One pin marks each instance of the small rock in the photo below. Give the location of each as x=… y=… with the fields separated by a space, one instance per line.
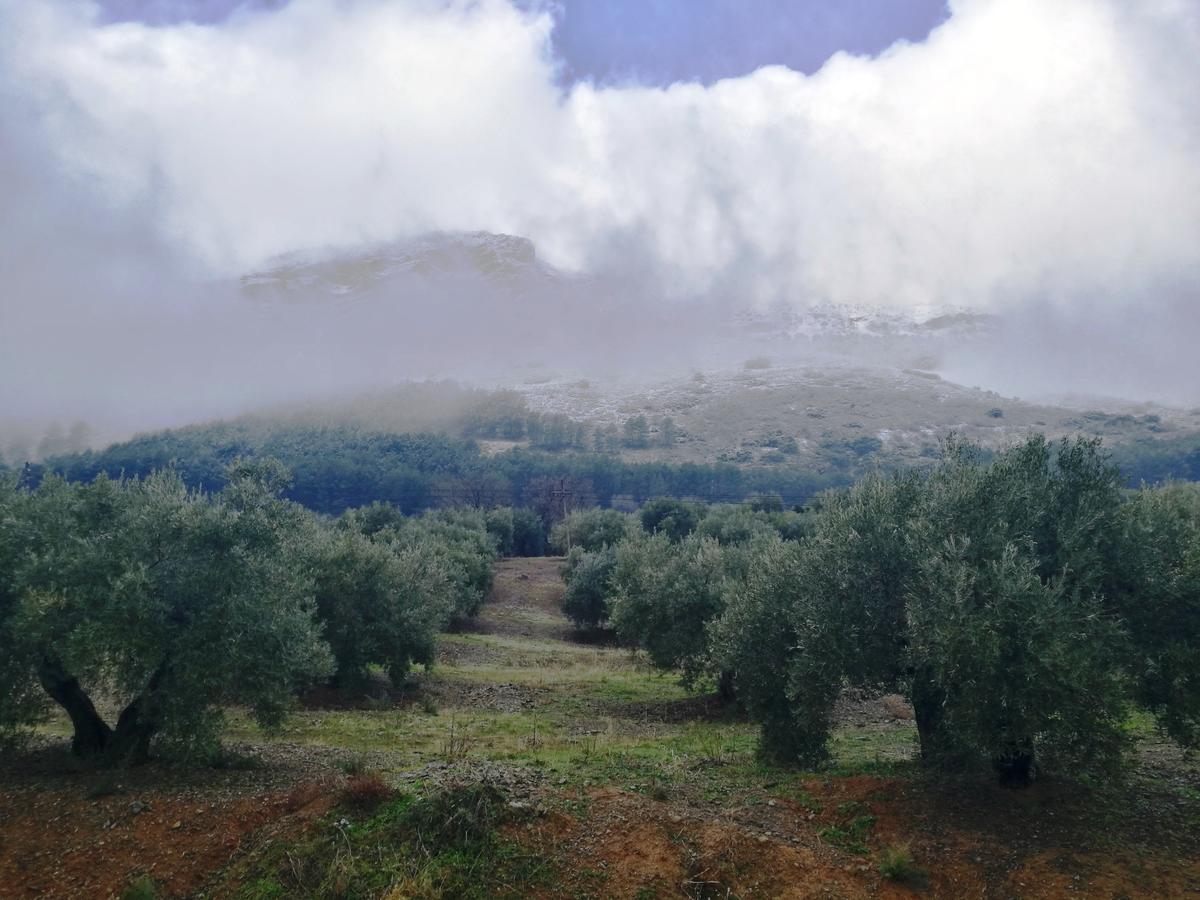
x=177 y=826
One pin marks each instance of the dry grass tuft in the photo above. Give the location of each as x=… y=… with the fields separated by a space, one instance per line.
x=366 y=790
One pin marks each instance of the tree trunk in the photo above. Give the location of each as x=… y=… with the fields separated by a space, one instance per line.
x=927 y=711
x=725 y=686
x=129 y=742
x=137 y=725
x=91 y=734
x=1016 y=767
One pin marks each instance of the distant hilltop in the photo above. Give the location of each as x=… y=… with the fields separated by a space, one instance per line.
x=497 y=259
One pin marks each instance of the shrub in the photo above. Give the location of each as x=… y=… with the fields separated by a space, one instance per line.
x=459 y=815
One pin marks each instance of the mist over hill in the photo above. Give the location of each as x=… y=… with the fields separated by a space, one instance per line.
x=337 y=330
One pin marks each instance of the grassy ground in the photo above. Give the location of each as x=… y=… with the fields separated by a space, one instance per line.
x=569 y=769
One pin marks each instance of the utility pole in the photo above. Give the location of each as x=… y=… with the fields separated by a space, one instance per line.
x=562 y=493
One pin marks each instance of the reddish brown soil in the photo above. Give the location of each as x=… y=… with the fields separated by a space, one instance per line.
x=68 y=846
x=71 y=832
x=629 y=846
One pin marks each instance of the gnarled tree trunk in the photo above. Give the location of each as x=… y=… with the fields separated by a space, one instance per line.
x=91 y=733
x=129 y=742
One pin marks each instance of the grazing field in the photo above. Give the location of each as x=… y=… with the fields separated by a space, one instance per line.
x=530 y=763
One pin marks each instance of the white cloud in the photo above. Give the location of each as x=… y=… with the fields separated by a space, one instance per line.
x=1028 y=150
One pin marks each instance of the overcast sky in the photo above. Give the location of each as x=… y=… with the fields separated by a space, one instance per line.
x=996 y=154
x=1021 y=147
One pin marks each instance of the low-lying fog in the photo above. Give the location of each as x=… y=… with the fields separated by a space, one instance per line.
x=1013 y=202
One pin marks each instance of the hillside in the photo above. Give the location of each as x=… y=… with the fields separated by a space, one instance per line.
x=829 y=414
x=574 y=770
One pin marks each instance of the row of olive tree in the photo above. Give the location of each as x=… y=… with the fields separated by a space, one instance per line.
x=171 y=604
x=658 y=577
x=1014 y=603
x=1024 y=605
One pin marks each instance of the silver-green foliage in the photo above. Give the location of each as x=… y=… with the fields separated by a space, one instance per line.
x=1158 y=597
x=1017 y=602
x=170 y=602
x=588 y=575
x=665 y=594
x=378 y=604
x=589 y=529
x=465 y=551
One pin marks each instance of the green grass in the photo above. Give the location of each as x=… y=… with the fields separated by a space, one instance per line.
x=447 y=843
x=896 y=864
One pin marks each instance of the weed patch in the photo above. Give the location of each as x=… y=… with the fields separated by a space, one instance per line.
x=896 y=864
x=445 y=844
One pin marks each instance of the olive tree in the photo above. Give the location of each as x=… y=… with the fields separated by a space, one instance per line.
x=461 y=543
x=666 y=595
x=1157 y=595
x=674 y=518
x=378 y=604
x=589 y=586
x=589 y=529
x=170 y=602
x=812 y=613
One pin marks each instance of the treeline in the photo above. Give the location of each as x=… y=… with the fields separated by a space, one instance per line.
x=1024 y=603
x=339 y=468
x=1154 y=461
x=174 y=603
